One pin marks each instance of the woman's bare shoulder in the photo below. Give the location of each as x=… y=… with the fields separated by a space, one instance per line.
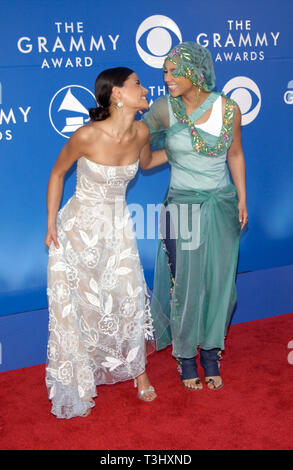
x=86 y=132
x=226 y=99
x=85 y=135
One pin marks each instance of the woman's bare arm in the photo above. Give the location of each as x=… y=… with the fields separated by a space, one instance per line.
x=75 y=147
x=150 y=159
x=236 y=164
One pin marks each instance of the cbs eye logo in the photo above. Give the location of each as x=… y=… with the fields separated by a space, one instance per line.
x=247 y=95
x=157 y=33
x=288 y=96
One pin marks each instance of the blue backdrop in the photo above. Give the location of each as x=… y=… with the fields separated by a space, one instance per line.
x=50 y=55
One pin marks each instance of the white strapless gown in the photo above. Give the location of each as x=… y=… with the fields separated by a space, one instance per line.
x=98 y=301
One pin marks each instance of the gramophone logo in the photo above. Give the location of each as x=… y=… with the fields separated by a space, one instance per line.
x=69 y=107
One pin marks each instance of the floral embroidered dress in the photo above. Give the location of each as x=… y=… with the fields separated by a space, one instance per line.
x=194 y=284
x=98 y=300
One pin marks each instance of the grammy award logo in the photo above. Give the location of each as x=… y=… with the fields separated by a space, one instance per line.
x=11 y=115
x=68 y=110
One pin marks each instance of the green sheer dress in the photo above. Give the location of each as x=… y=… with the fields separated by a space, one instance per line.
x=192 y=307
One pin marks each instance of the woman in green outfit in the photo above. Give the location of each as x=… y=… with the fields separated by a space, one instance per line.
x=198 y=131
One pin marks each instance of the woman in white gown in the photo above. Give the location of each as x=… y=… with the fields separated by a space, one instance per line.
x=98 y=302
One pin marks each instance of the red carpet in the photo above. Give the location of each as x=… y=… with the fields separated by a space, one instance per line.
x=254 y=410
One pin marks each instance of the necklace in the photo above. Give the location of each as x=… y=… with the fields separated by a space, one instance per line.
x=201 y=147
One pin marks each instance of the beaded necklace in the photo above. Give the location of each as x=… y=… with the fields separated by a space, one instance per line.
x=225 y=137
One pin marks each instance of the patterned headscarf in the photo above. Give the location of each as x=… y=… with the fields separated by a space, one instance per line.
x=195 y=63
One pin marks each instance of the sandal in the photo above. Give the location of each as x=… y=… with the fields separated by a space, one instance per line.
x=89 y=410
x=209 y=360
x=188 y=371
x=141 y=394
x=87 y=413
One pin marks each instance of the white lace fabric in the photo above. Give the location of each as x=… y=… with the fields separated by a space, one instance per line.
x=99 y=307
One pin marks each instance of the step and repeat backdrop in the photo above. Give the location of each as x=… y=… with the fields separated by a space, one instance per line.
x=50 y=54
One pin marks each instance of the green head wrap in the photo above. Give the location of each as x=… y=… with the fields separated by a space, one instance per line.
x=195 y=63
